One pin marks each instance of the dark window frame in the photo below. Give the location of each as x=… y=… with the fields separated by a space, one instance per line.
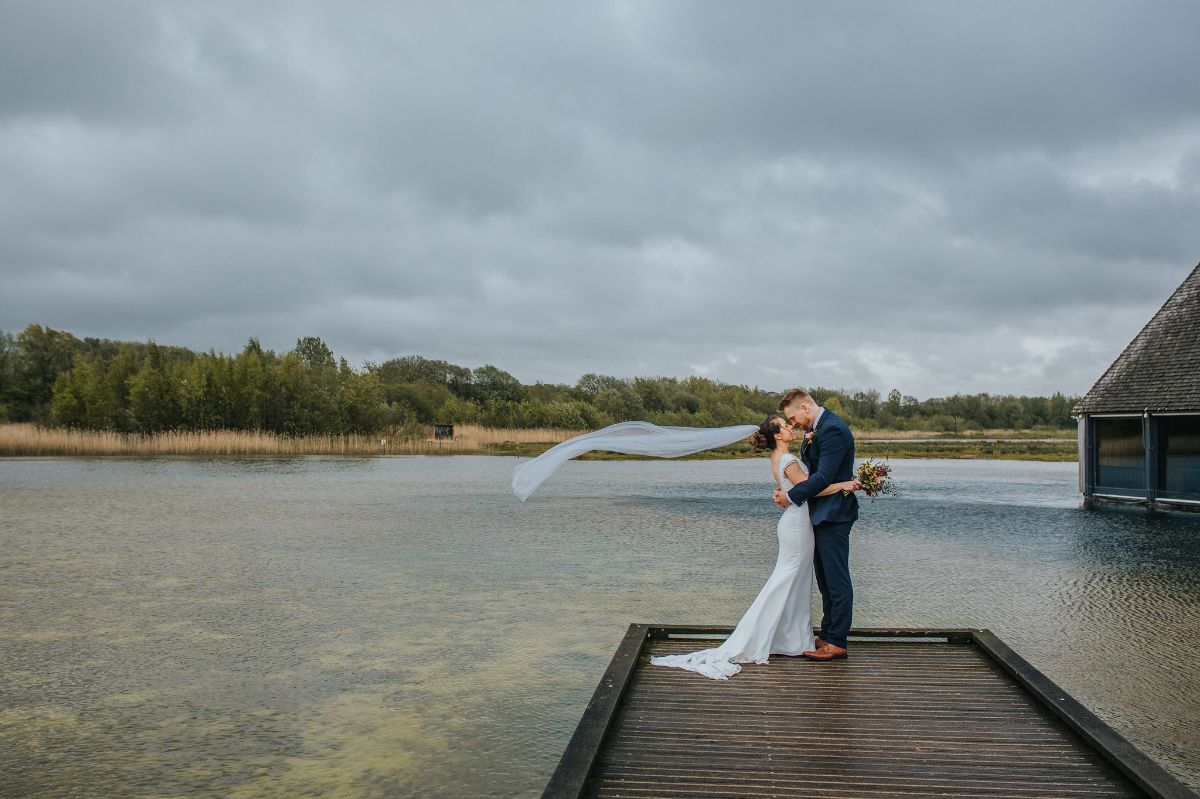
x=1160 y=436
x=1097 y=486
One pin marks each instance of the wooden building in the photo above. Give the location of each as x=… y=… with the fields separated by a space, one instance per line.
x=1139 y=426
x=439 y=432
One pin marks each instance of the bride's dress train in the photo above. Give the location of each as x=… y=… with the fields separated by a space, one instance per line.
x=778 y=621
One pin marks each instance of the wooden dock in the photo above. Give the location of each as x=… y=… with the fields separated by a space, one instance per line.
x=911 y=713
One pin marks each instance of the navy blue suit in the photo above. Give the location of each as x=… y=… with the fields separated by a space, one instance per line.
x=829 y=459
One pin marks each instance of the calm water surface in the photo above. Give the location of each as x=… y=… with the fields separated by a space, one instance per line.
x=404 y=627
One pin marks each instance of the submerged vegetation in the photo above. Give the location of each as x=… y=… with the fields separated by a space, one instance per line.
x=63 y=394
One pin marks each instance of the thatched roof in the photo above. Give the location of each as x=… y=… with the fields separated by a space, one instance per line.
x=1160 y=369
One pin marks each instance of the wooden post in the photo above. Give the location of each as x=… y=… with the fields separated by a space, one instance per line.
x=1082 y=453
x=1150 y=447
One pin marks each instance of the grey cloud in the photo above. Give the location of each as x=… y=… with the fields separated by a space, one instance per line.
x=997 y=196
x=1033 y=202
x=69 y=60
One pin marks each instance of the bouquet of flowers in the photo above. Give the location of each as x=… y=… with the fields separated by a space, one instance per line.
x=875 y=477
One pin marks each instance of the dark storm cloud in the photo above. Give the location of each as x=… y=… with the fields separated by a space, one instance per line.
x=997 y=196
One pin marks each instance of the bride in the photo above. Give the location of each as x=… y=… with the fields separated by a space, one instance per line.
x=778 y=621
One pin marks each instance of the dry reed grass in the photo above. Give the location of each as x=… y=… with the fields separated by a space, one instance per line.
x=28 y=439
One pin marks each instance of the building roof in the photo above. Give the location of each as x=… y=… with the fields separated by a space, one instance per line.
x=1160 y=369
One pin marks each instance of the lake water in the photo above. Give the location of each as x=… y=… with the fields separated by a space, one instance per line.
x=404 y=627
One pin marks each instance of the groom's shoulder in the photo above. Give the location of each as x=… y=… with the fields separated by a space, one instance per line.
x=838 y=421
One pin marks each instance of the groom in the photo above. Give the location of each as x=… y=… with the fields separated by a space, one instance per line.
x=827 y=449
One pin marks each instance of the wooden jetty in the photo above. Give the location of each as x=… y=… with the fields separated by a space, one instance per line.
x=911 y=713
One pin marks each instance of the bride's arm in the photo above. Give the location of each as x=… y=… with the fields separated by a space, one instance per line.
x=794 y=473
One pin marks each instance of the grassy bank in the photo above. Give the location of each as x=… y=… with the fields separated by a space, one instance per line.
x=1015 y=449
x=25 y=439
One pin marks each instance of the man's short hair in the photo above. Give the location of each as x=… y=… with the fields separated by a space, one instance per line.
x=795 y=395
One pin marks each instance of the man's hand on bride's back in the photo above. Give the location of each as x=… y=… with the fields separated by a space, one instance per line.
x=781 y=498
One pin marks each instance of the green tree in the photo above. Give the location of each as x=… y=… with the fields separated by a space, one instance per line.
x=317 y=396
x=314 y=352
x=153 y=404
x=101 y=384
x=684 y=401
x=892 y=406
x=83 y=397
x=592 y=384
x=491 y=384
x=620 y=402
x=206 y=394
x=292 y=411
x=42 y=353
x=459 y=411
x=117 y=376
x=251 y=388
x=499 y=413
x=67 y=406
x=361 y=408
x=652 y=392
x=8 y=372
x=415 y=369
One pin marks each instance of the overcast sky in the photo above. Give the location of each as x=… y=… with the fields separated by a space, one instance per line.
x=938 y=197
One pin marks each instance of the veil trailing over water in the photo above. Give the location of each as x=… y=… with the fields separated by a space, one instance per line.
x=628 y=438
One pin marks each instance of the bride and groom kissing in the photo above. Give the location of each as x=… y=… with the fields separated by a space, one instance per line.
x=816 y=492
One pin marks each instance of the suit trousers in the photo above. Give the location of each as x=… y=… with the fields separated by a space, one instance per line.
x=831 y=565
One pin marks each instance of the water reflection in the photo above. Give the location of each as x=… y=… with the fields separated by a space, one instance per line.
x=403 y=627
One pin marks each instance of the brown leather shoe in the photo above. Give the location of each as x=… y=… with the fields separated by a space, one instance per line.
x=827 y=652
x=820 y=643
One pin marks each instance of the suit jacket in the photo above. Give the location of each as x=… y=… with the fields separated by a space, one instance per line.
x=829 y=459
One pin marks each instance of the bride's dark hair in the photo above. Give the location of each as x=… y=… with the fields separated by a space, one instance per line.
x=764 y=437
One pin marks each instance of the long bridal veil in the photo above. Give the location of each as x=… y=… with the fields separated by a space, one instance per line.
x=627 y=438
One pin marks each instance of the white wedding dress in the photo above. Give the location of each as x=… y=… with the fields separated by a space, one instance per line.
x=778 y=621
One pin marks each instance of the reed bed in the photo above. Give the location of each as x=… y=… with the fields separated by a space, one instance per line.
x=28 y=439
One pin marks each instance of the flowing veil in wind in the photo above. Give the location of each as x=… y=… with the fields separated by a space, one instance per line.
x=628 y=438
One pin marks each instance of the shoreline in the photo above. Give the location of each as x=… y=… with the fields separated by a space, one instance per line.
x=997 y=455
x=25 y=440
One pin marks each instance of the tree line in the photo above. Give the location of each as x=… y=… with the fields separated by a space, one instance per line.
x=51 y=377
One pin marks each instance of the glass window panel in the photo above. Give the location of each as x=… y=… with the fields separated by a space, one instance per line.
x=1120 y=454
x=1179 y=455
